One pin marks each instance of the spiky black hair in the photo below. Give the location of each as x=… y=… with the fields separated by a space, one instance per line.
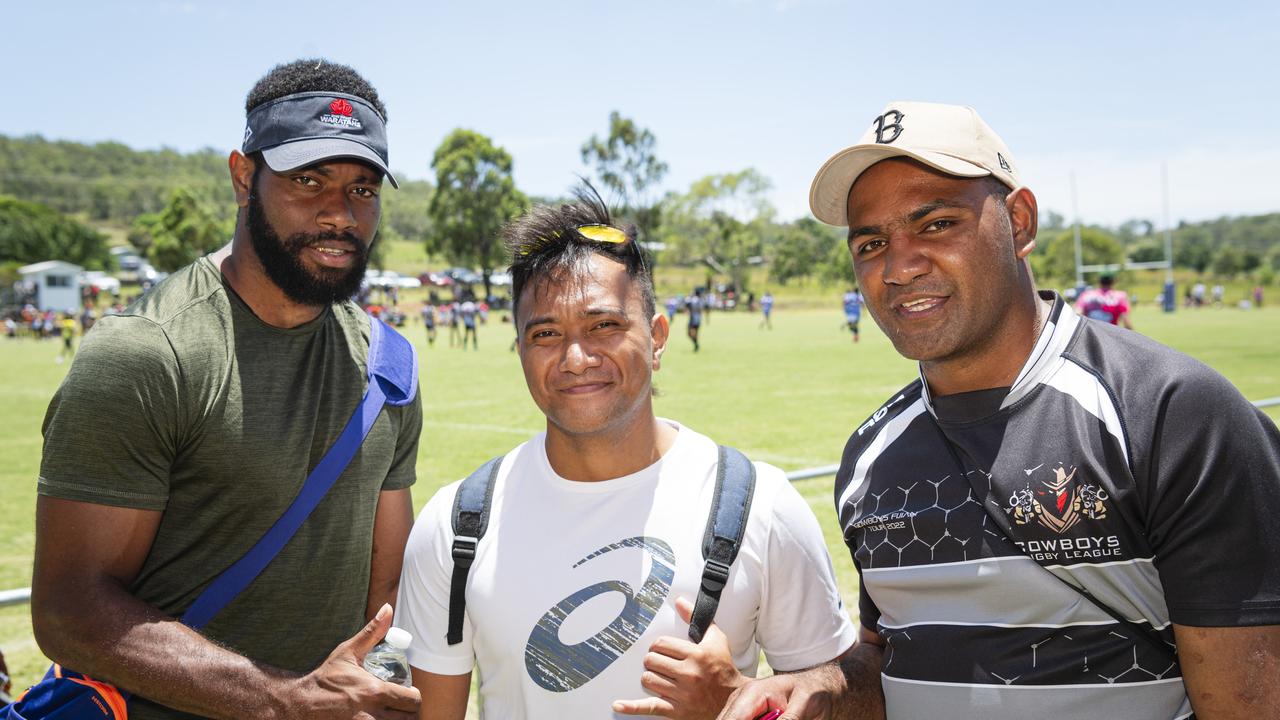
x=545 y=242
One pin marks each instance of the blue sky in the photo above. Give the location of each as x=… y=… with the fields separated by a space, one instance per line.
x=1107 y=90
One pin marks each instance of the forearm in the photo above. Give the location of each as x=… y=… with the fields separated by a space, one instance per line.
x=110 y=635
x=1231 y=672
x=862 y=694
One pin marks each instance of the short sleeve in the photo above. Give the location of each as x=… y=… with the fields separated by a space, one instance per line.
x=115 y=424
x=1213 y=499
x=803 y=621
x=403 y=472
x=868 y=611
x=422 y=607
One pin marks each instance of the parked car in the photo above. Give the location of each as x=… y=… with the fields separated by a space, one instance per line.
x=100 y=280
x=126 y=258
x=464 y=276
x=437 y=279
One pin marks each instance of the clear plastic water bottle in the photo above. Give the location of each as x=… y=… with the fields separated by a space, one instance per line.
x=387 y=661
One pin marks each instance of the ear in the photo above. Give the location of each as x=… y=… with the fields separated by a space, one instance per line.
x=659 y=330
x=1024 y=217
x=241 y=176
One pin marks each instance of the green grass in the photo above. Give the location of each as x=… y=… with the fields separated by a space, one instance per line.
x=790 y=396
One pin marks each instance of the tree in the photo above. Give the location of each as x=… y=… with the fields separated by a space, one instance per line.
x=404 y=217
x=30 y=233
x=109 y=181
x=1147 y=251
x=1192 y=247
x=1132 y=231
x=1250 y=261
x=1227 y=262
x=405 y=212
x=723 y=220
x=180 y=233
x=626 y=164
x=475 y=196
x=1058 y=261
x=807 y=248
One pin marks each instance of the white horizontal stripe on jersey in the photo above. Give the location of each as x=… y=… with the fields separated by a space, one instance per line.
x=1139 y=700
x=997 y=590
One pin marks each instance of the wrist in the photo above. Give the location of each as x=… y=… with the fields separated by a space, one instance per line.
x=737 y=680
x=281 y=696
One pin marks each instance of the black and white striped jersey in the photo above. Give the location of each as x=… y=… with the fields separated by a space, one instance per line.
x=1114 y=463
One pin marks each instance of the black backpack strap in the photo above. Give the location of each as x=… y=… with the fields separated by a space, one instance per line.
x=470 y=520
x=727 y=523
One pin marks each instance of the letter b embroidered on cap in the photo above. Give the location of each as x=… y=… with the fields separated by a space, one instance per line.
x=882 y=126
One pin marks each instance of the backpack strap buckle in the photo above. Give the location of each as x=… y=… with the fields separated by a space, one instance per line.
x=464 y=550
x=715 y=575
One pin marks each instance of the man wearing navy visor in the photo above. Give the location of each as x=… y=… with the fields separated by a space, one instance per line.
x=187 y=424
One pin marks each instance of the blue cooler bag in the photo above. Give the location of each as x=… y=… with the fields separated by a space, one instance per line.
x=393 y=380
x=68 y=695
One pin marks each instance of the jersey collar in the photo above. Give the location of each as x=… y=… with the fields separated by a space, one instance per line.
x=1045 y=356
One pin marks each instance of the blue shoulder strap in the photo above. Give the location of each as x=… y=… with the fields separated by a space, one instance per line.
x=726 y=526
x=392 y=380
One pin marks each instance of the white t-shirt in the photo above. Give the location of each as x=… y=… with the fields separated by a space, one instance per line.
x=573 y=581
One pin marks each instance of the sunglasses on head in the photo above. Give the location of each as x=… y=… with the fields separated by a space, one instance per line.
x=594 y=232
x=602 y=233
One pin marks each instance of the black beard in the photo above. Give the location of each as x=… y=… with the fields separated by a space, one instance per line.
x=282 y=260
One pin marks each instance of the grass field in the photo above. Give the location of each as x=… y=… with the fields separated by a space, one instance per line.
x=789 y=396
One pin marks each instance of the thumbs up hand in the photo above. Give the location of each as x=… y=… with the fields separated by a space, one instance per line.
x=340 y=689
x=692 y=681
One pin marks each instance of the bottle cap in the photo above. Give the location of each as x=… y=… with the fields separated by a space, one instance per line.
x=398 y=638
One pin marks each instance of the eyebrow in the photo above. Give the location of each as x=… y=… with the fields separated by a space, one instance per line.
x=914 y=216
x=322 y=169
x=589 y=312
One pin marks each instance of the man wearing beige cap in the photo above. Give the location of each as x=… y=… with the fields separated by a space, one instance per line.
x=1045 y=523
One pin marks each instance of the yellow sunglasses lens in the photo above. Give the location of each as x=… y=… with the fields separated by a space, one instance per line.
x=602 y=233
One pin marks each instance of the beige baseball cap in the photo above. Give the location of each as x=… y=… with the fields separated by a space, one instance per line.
x=950 y=138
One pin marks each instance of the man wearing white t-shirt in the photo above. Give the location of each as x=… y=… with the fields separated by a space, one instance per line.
x=596 y=526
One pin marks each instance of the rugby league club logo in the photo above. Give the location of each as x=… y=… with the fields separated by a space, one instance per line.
x=339 y=115
x=1059 y=502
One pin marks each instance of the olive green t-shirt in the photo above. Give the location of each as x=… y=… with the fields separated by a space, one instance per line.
x=190 y=405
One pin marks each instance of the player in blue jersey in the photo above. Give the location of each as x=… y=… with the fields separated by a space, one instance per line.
x=853 y=310
x=766 y=309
